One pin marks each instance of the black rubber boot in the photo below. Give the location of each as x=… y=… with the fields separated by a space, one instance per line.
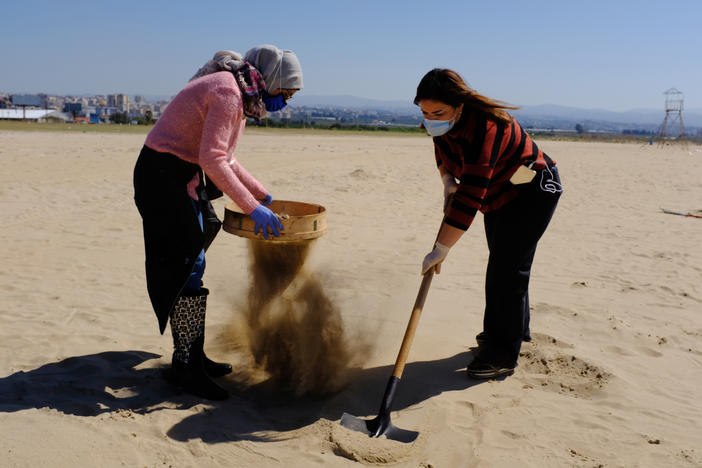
x=188 y=365
x=215 y=369
x=192 y=377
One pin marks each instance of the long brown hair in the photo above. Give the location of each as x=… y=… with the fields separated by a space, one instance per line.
x=447 y=86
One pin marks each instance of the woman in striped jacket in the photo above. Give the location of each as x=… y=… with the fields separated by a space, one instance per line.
x=488 y=163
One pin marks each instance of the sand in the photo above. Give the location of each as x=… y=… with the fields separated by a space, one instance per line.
x=613 y=377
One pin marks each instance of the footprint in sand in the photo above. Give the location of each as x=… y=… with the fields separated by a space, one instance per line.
x=546 y=364
x=362 y=174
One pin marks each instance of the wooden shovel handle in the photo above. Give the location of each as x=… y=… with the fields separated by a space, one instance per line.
x=416 y=314
x=413 y=323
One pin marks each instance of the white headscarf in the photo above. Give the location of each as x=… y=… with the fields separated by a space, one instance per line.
x=280 y=68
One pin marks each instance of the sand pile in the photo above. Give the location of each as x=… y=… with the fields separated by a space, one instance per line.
x=292 y=328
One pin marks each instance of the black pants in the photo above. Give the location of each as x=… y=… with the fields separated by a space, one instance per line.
x=512 y=234
x=173 y=235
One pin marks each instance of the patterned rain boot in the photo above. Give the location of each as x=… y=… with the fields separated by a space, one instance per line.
x=213 y=369
x=188 y=329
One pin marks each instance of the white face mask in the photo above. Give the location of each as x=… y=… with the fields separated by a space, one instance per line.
x=438 y=127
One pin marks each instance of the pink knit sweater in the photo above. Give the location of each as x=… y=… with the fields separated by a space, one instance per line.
x=202 y=125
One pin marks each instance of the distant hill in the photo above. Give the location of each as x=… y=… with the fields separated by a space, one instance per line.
x=692 y=118
x=548 y=115
x=353 y=102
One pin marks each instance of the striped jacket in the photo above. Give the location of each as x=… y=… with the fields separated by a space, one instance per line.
x=483 y=154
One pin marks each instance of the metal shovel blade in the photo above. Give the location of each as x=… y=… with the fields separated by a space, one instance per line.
x=381 y=424
x=376 y=428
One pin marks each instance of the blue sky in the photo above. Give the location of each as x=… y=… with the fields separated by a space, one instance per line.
x=615 y=55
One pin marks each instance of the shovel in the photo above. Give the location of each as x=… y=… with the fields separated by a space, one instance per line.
x=382 y=425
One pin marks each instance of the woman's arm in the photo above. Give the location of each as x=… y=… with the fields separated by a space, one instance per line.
x=250 y=182
x=223 y=119
x=449 y=235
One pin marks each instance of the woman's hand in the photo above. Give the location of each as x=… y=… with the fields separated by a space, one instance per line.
x=434 y=258
x=267 y=201
x=265 y=219
x=447 y=237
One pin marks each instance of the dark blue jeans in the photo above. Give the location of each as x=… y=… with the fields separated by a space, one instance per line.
x=192 y=287
x=512 y=234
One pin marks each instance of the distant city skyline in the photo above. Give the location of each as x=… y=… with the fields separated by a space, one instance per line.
x=609 y=55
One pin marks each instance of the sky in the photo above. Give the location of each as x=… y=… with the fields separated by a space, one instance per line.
x=616 y=55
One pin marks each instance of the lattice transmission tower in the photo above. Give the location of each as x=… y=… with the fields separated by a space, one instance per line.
x=673 y=127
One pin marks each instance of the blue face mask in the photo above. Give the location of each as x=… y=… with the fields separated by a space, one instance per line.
x=273 y=103
x=437 y=127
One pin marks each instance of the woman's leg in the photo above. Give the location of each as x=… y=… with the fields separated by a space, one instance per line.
x=512 y=234
x=195 y=279
x=191 y=309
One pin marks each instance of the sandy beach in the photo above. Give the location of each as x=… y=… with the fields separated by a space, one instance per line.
x=613 y=377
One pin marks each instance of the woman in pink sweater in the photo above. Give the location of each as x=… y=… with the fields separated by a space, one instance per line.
x=186 y=161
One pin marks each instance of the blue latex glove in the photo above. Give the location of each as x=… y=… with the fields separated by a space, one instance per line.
x=267 y=201
x=265 y=219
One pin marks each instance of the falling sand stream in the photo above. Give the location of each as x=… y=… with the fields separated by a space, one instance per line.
x=292 y=328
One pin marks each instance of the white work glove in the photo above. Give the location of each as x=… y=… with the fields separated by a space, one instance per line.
x=434 y=258
x=450 y=187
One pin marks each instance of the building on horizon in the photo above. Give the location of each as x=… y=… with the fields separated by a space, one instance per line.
x=120 y=101
x=29 y=100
